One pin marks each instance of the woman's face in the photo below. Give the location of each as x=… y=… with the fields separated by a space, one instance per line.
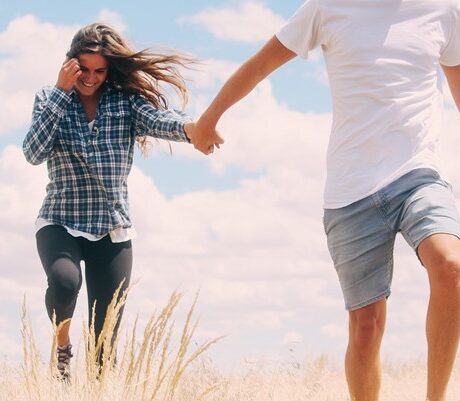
x=94 y=68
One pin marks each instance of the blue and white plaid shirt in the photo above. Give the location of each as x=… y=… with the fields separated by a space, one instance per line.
x=88 y=171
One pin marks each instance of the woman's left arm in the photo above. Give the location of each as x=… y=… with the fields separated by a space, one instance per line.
x=163 y=124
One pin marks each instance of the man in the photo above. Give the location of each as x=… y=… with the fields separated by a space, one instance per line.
x=383 y=58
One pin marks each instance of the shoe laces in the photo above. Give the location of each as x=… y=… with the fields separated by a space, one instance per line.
x=64 y=354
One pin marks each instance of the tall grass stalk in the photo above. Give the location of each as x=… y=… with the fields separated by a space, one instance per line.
x=150 y=369
x=31 y=357
x=162 y=365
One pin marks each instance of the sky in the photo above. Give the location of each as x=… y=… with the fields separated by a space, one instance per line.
x=242 y=227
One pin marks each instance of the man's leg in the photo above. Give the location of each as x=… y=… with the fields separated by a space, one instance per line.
x=362 y=361
x=361 y=246
x=440 y=254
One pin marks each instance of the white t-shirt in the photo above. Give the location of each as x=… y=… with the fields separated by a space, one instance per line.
x=382 y=58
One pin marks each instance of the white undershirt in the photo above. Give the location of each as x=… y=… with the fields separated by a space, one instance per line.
x=119 y=234
x=90 y=125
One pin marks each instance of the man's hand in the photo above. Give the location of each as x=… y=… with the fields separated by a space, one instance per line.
x=68 y=75
x=203 y=136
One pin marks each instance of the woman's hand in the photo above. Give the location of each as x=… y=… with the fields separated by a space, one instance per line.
x=68 y=75
x=203 y=137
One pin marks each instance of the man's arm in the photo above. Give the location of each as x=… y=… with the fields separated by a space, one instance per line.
x=272 y=56
x=453 y=79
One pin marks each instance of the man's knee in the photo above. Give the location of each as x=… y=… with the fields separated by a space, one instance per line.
x=367 y=325
x=440 y=254
x=446 y=271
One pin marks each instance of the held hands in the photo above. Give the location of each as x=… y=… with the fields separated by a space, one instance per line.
x=204 y=137
x=68 y=75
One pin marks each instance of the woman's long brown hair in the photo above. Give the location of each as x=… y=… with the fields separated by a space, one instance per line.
x=133 y=71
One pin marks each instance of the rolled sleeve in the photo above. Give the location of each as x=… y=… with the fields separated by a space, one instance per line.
x=302 y=31
x=49 y=107
x=450 y=54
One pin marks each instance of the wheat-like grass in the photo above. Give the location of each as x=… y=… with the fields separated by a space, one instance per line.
x=150 y=369
x=162 y=366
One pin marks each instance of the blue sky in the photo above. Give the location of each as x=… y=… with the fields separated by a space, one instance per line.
x=243 y=226
x=153 y=23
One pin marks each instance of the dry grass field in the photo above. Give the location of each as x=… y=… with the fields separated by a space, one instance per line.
x=165 y=364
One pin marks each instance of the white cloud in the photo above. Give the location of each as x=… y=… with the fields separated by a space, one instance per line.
x=22 y=189
x=209 y=74
x=258 y=252
x=292 y=338
x=262 y=134
x=113 y=19
x=31 y=54
x=32 y=51
x=250 y=21
x=246 y=264
x=262 y=246
x=334 y=331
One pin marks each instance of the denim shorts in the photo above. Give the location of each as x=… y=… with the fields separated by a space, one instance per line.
x=361 y=236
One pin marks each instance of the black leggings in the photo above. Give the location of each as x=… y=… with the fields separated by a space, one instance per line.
x=106 y=265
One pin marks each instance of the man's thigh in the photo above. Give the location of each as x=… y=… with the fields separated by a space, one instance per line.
x=438 y=252
x=361 y=246
x=428 y=212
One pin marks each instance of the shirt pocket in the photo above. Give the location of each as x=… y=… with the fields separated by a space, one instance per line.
x=115 y=125
x=69 y=139
x=114 y=131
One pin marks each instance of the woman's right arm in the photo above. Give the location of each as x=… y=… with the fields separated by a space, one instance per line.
x=49 y=107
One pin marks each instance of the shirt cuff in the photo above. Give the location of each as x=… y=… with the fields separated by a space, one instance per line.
x=185 y=118
x=187 y=139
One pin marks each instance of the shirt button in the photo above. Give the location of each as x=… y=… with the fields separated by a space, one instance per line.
x=90 y=153
x=96 y=130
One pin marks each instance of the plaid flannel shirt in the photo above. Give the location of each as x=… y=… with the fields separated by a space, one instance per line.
x=88 y=171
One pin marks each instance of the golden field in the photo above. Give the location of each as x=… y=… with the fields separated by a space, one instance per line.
x=164 y=363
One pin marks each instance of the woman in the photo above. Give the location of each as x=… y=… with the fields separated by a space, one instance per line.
x=106 y=98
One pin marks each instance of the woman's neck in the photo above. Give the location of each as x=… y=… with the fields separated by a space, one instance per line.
x=90 y=104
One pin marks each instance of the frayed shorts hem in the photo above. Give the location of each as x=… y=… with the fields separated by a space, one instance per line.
x=417 y=243
x=383 y=295
x=361 y=236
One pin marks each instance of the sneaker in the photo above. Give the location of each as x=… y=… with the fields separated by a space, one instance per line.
x=64 y=354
